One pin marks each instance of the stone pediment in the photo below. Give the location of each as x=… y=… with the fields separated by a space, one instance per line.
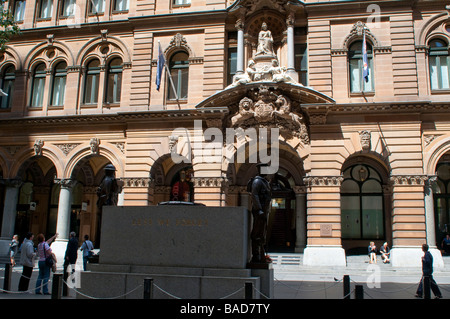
x=267 y=105
x=296 y=92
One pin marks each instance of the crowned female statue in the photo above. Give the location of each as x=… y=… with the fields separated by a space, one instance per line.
x=265 y=42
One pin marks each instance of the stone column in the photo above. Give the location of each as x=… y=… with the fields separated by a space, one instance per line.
x=300 y=218
x=429 y=212
x=240 y=46
x=430 y=223
x=291 y=48
x=63 y=220
x=10 y=207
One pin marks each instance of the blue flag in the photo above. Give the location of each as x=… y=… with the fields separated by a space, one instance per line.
x=160 y=67
x=365 y=60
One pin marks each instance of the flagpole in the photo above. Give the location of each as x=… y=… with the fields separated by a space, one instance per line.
x=160 y=71
x=173 y=85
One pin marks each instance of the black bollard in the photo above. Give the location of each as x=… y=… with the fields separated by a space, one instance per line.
x=248 y=290
x=148 y=288
x=346 y=287
x=57 y=286
x=7 y=279
x=359 y=292
x=426 y=287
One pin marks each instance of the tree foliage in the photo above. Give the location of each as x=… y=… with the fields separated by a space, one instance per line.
x=8 y=26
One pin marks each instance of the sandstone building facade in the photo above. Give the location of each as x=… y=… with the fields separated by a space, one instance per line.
x=360 y=159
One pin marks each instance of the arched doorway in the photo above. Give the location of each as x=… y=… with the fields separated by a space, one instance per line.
x=365 y=213
x=172 y=182
x=34 y=210
x=441 y=195
x=281 y=234
x=286 y=230
x=85 y=217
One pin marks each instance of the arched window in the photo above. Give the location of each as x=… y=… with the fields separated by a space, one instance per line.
x=179 y=71
x=8 y=78
x=362 y=213
x=114 y=81
x=59 y=84
x=439 y=60
x=358 y=83
x=91 y=83
x=38 y=85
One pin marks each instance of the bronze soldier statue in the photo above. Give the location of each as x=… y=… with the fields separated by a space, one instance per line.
x=260 y=191
x=108 y=190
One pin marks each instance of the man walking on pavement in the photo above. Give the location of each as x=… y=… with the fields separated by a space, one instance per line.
x=427 y=271
x=27 y=260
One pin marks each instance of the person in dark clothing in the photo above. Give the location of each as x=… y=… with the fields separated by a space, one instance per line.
x=71 y=255
x=427 y=271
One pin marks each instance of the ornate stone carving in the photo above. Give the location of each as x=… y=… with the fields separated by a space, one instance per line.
x=365 y=139
x=270 y=110
x=173 y=139
x=136 y=181
x=95 y=144
x=65 y=182
x=311 y=181
x=413 y=180
x=66 y=148
x=257 y=72
x=209 y=181
x=38 y=145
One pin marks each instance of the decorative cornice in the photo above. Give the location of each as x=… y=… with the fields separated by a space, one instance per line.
x=408 y=180
x=65 y=182
x=13 y=183
x=311 y=181
x=209 y=181
x=137 y=181
x=117 y=117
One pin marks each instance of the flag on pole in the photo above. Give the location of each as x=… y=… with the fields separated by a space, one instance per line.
x=365 y=61
x=159 y=67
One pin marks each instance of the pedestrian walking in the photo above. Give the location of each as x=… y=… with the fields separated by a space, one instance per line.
x=86 y=248
x=71 y=255
x=27 y=260
x=427 y=271
x=44 y=251
x=13 y=248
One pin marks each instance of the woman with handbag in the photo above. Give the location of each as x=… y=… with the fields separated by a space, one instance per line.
x=46 y=261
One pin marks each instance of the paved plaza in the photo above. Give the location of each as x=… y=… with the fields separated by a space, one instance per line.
x=295 y=281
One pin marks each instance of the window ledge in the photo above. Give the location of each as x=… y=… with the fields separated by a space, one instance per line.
x=56 y=107
x=362 y=94
x=174 y=102
x=176 y=6
x=119 y=11
x=444 y=91
x=110 y=105
x=89 y=106
x=5 y=110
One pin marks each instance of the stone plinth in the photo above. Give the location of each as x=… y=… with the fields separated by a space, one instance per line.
x=189 y=251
